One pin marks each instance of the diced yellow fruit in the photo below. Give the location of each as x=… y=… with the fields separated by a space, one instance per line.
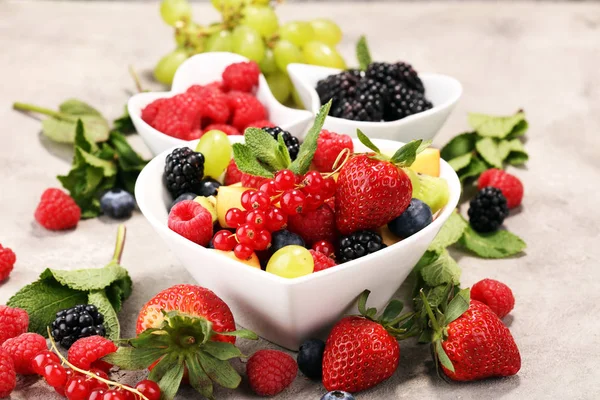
x=210 y=203
x=387 y=236
x=252 y=261
x=427 y=162
x=228 y=197
x=237 y=184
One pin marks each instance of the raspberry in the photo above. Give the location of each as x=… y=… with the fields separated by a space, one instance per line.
x=270 y=372
x=329 y=146
x=13 y=322
x=192 y=221
x=8 y=376
x=149 y=112
x=241 y=76
x=313 y=226
x=495 y=294
x=322 y=261
x=261 y=124
x=7 y=261
x=227 y=129
x=246 y=109
x=252 y=181
x=232 y=173
x=23 y=348
x=57 y=210
x=212 y=102
x=87 y=352
x=510 y=186
x=178 y=116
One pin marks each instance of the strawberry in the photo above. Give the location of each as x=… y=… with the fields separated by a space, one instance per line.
x=372 y=189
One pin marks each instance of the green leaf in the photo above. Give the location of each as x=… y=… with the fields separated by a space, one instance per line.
x=458 y=306
x=437 y=295
x=78 y=107
x=517 y=155
x=364 y=139
x=517 y=159
x=198 y=378
x=111 y=320
x=499 y=244
x=497 y=126
x=450 y=233
x=489 y=150
x=63 y=130
x=124 y=151
x=407 y=154
x=443 y=270
x=171 y=380
x=241 y=333
x=473 y=170
x=109 y=168
x=87 y=279
x=132 y=359
x=220 y=372
x=519 y=130
x=119 y=291
x=265 y=148
x=283 y=151
x=458 y=146
x=165 y=364
x=42 y=300
x=81 y=139
x=124 y=124
x=307 y=149
x=442 y=356
x=363 y=54
x=461 y=162
x=362 y=302
x=392 y=310
x=247 y=163
x=222 y=350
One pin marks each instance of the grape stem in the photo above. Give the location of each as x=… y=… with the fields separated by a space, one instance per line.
x=136 y=79
x=120 y=244
x=41 y=110
x=90 y=374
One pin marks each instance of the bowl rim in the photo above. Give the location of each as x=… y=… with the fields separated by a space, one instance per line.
x=453 y=185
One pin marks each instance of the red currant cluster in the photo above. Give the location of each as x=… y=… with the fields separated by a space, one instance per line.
x=266 y=210
x=76 y=386
x=324 y=247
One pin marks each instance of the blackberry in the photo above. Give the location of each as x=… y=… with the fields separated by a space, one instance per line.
x=369 y=102
x=399 y=72
x=359 y=244
x=184 y=170
x=404 y=102
x=488 y=210
x=74 y=323
x=291 y=142
x=338 y=87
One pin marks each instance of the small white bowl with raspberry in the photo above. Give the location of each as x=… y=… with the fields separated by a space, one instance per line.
x=217 y=90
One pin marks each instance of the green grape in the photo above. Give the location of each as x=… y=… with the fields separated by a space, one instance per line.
x=233 y=5
x=172 y=11
x=267 y=64
x=280 y=86
x=220 y=41
x=216 y=148
x=248 y=43
x=291 y=262
x=180 y=36
x=297 y=100
x=261 y=2
x=196 y=40
x=285 y=52
x=297 y=32
x=262 y=19
x=318 y=53
x=326 y=31
x=166 y=67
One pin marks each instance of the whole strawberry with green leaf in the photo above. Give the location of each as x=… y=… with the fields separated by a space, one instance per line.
x=372 y=189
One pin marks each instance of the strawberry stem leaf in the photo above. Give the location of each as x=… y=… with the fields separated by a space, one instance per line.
x=222 y=350
x=458 y=305
x=392 y=310
x=130 y=358
x=171 y=380
x=198 y=378
x=241 y=333
x=221 y=372
x=362 y=302
x=407 y=154
x=442 y=356
x=364 y=139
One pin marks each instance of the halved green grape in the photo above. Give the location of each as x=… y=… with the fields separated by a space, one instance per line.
x=166 y=67
x=280 y=86
x=318 y=53
x=220 y=41
x=326 y=31
x=297 y=32
x=285 y=53
x=262 y=19
x=267 y=64
x=216 y=148
x=291 y=262
x=172 y=11
x=248 y=42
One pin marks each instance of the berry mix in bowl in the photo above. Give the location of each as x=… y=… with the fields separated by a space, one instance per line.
x=267 y=232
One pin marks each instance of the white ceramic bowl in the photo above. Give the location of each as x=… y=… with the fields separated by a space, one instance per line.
x=203 y=69
x=288 y=311
x=443 y=91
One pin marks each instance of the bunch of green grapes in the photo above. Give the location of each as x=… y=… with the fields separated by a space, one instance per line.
x=251 y=28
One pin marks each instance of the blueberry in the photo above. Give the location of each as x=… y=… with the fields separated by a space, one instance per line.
x=310 y=358
x=337 y=395
x=208 y=187
x=182 y=197
x=117 y=203
x=284 y=238
x=416 y=217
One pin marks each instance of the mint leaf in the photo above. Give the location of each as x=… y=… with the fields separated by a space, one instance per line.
x=489 y=150
x=119 y=291
x=517 y=159
x=363 y=54
x=265 y=148
x=497 y=126
x=283 y=152
x=111 y=321
x=461 y=162
x=87 y=279
x=443 y=270
x=81 y=139
x=307 y=149
x=450 y=233
x=364 y=139
x=458 y=146
x=407 y=154
x=517 y=155
x=499 y=244
x=247 y=163
x=108 y=167
x=221 y=372
x=475 y=168
x=519 y=130
x=124 y=124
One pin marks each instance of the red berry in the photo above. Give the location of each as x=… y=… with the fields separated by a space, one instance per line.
x=260 y=201
x=23 y=348
x=149 y=112
x=96 y=383
x=252 y=181
x=213 y=104
x=224 y=240
x=86 y=352
x=128 y=395
x=263 y=240
x=276 y=219
x=328 y=188
x=270 y=372
x=13 y=322
x=313 y=201
x=7 y=262
x=232 y=174
x=149 y=388
x=313 y=182
x=292 y=201
x=55 y=374
x=242 y=251
x=314 y=225
x=285 y=179
x=192 y=221
x=246 y=234
x=269 y=187
x=42 y=359
x=227 y=129
x=61 y=389
x=8 y=376
x=321 y=261
x=97 y=394
x=78 y=388
x=246 y=109
x=510 y=186
x=261 y=124
x=114 y=395
x=178 y=116
x=495 y=294
x=329 y=146
x=57 y=210
x=235 y=217
x=242 y=76
x=324 y=247
x=257 y=218
x=246 y=199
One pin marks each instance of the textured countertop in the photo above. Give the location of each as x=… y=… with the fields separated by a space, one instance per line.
x=542 y=57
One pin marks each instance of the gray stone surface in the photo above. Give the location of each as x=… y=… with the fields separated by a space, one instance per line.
x=543 y=58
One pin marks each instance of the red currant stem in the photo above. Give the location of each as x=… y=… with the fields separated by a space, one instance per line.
x=120 y=244
x=136 y=79
x=338 y=163
x=276 y=196
x=91 y=374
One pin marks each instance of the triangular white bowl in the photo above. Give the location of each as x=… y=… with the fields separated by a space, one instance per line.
x=443 y=91
x=203 y=69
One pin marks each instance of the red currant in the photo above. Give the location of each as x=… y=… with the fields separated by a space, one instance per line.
x=126 y=393
x=313 y=182
x=313 y=201
x=70 y=373
x=78 y=388
x=224 y=240
x=263 y=240
x=328 y=187
x=257 y=218
x=260 y=201
x=114 y=395
x=243 y=252
x=96 y=383
x=41 y=359
x=55 y=374
x=285 y=179
x=149 y=389
x=324 y=247
x=269 y=187
x=235 y=217
x=96 y=394
x=246 y=234
x=246 y=202
x=292 y=201
x=276 y=219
